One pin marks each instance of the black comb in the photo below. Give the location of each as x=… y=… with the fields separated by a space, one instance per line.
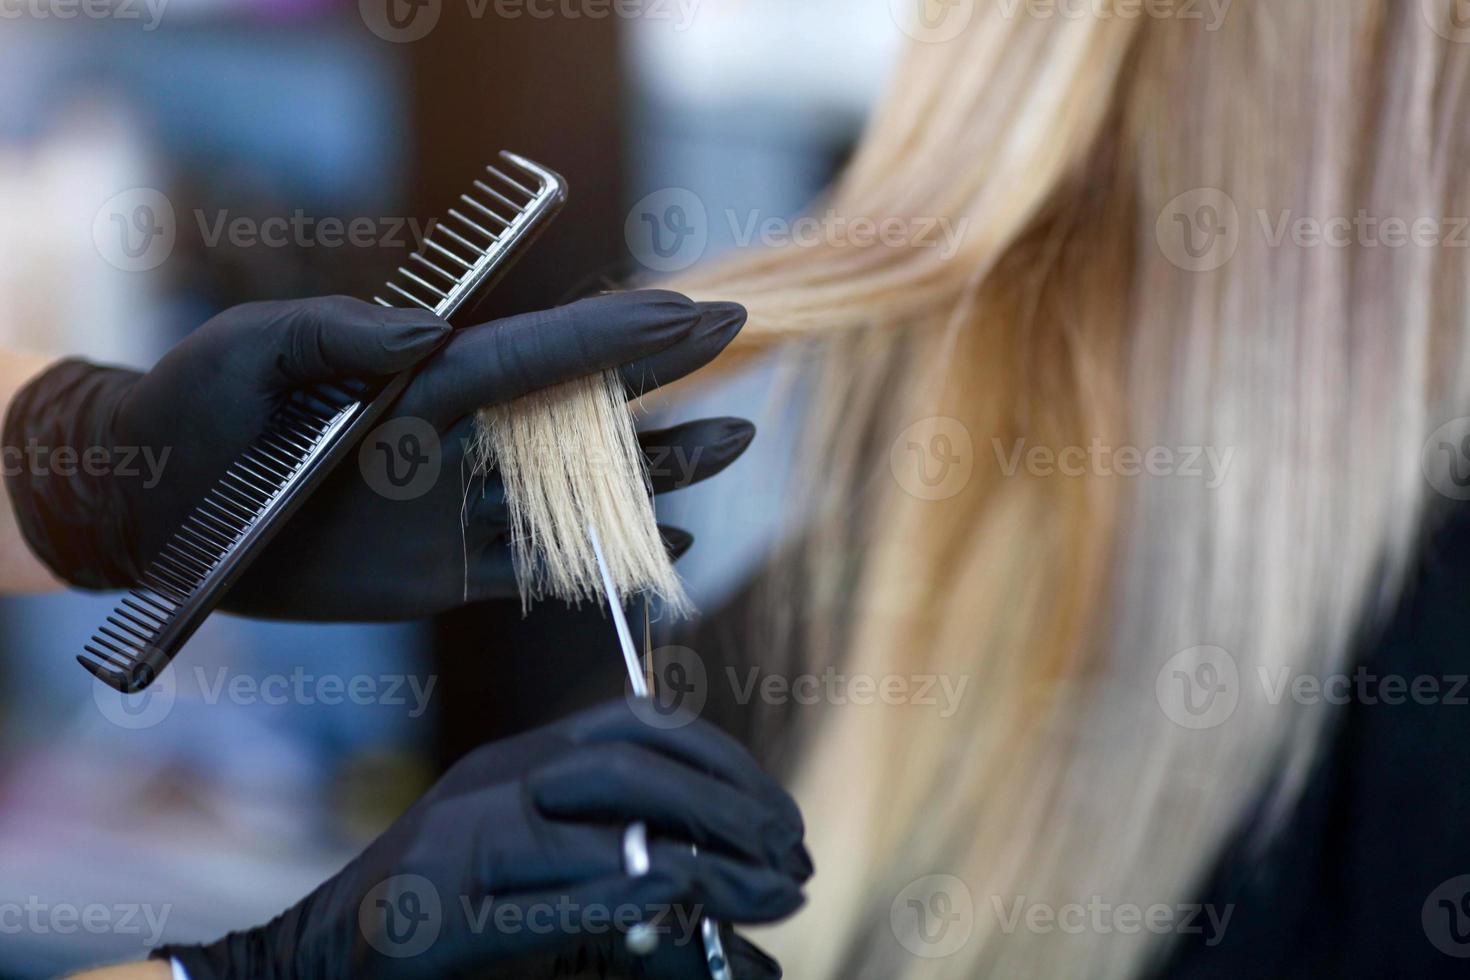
x=312 y=432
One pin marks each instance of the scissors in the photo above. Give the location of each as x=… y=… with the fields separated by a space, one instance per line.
x=643 y=938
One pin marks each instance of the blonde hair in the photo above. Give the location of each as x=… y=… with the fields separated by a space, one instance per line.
x=1067 y=147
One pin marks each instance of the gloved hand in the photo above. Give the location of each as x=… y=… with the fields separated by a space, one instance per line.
x=512 y=864
x=352 y=552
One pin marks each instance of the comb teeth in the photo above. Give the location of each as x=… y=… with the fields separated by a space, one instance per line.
x=309 y=434
x=478 y=227
x=123 y=652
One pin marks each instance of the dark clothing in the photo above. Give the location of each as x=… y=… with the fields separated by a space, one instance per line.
x=1384 y=823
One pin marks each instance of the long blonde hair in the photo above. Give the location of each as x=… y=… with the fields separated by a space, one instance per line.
x=1073 y=151
x=1085 y=149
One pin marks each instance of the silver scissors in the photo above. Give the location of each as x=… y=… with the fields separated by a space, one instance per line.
x=643 y=938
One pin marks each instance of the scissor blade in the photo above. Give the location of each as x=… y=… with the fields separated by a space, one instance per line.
x=620 y=621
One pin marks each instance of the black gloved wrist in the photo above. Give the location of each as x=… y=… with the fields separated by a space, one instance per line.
x=58 y=429
x=240 y=954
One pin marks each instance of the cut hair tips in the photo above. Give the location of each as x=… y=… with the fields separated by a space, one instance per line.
x=570 y=460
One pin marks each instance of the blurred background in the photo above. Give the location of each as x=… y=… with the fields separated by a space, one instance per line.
x=161 y=160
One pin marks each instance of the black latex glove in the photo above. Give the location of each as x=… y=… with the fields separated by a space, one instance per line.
x=353 y=552
x=512 y=864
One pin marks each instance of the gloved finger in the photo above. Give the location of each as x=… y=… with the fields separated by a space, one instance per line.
x=601 y=910
x=726 y=889
x=720 y=326
x=499 y=361
x=620 y=783
x=697 y=743
x=340 y=337
x=679 y=956
x=747 y=960
x=677 y=541
x=685 y=454
x=554 y=854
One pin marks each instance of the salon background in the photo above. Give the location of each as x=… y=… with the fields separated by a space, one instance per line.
x=161 y=160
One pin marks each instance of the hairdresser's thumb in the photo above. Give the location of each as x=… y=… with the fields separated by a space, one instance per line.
x=339 y=337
